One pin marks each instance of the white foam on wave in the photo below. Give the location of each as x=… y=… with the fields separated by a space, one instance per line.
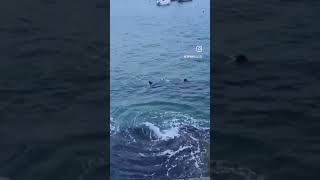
x=173 y=125
x=113 y=126
x=163 y=134
x=180 y=119
x=142 y=155
x=171 y=153
x=195 y=157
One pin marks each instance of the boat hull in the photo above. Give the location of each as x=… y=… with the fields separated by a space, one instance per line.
x=163 y=2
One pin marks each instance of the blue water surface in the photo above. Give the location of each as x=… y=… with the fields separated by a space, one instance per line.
x=159 y=131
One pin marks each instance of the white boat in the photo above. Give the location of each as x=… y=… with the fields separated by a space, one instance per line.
x=163 y=2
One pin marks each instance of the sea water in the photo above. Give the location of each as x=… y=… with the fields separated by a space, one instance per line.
x=159 y=131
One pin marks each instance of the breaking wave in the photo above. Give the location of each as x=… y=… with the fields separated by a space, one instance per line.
x=176 y=148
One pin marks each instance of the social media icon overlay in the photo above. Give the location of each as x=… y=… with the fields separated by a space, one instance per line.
x=199 y=49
